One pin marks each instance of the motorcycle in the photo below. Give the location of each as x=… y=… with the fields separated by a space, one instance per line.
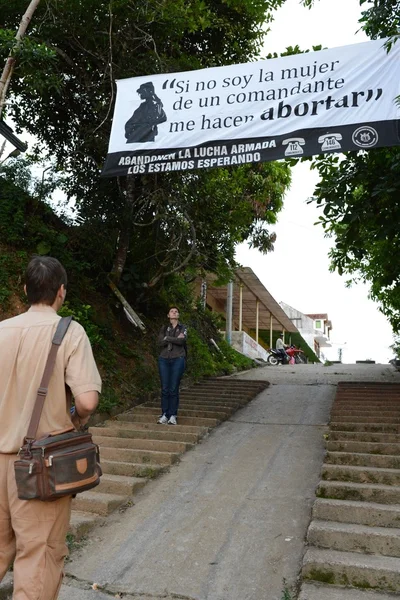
x=290 y=356
x=297 y=354
x=277 y=357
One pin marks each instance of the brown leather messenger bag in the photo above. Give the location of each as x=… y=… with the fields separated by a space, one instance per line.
x=61 y=463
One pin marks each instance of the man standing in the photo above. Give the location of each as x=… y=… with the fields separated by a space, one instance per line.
x=32 y=532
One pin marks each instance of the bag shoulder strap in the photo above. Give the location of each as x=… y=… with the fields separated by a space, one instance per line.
x=61 y=330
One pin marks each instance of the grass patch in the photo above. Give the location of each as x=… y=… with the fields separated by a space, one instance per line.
x=322 y=576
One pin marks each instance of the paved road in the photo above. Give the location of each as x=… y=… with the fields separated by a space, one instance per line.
x=228 y=522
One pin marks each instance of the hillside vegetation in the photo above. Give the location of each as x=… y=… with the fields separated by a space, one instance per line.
x=127 y=358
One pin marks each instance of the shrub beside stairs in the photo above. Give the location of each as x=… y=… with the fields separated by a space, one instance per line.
x=134 y=448
x=354 y=535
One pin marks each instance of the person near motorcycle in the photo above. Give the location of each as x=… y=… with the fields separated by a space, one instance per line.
x=280 y=347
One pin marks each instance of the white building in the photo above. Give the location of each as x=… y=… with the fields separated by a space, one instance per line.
x=314 y=328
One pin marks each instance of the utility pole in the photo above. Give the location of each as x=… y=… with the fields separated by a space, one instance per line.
x=11 y=60
x=229 y=306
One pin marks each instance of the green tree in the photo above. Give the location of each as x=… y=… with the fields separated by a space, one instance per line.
x=361 y=212
x=64 y=91
x=360 y=197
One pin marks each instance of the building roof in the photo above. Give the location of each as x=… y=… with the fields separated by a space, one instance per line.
x=322 y=316
x=252 y=288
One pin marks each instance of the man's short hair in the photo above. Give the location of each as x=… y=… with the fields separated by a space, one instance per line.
x=43 y=277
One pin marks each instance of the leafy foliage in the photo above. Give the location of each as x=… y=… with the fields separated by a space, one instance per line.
x=82 y=314
x=381 y=18
x=65 y=85
x=361 y=211
x=360 y=197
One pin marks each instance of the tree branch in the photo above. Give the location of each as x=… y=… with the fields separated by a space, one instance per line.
x=11 y=60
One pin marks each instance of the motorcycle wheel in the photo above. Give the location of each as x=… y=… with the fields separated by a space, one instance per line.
x=272 y=360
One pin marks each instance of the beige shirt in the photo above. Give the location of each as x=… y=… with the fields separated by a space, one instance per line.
x=25 y=343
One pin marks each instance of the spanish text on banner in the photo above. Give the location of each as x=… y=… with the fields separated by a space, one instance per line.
x=321 y=102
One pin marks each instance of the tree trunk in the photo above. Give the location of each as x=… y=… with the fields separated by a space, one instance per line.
x=124 y=232
x=11 y=60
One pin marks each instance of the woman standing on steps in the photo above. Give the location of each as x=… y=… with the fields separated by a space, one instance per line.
x=171 y=365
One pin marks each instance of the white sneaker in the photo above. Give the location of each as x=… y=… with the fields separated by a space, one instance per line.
x=163 y=420
x=172 y=420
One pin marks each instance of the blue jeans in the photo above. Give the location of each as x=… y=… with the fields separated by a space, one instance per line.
x=171 y=371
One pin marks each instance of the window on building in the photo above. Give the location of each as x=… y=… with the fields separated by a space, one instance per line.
x=318 y=324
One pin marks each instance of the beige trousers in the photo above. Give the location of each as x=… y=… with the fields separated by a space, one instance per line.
x=32 y=534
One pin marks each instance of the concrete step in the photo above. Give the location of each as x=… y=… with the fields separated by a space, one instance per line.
x=339 y=415
x=138 y=444
x=350 y=568
x=362 y=513
x=221 y=414
x=130 y=469
x=235 y=382
x=120 y=484
x=81 y=523
x=377 y=427
x=380 y=461
x=379 y=417
x=222 y=389
x=152 y=457
x=364 y=447
x=359 y=492
x=315 y=591
x=199 y=404
x=367 y=405
x=158 y=433
x=369 y=391
x=96 y=502
x=151 y=418
x=371 y=394
x=361 y=474
x=362 y=436
x=153 y=427
x=239 y=398
x=392 y=396
x=351 y=537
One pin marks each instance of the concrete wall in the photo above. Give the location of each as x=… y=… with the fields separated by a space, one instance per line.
x=245 y=344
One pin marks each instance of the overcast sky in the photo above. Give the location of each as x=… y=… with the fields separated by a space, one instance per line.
x=298 y=271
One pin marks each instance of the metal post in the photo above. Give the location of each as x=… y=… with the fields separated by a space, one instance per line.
x=229 y=306
x=270 y=331
x=257 y=315
x=203 y=294
x=241 y=307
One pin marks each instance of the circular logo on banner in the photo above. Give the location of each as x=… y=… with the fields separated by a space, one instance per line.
x=365 y=137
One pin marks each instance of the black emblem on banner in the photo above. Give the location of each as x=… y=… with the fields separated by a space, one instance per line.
x=142 y=126
x=365 y=137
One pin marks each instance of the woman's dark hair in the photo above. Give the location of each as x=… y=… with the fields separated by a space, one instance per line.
x=43 y=277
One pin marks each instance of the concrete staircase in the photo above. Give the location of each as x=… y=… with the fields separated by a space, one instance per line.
x=134 y=448
x=354 y=535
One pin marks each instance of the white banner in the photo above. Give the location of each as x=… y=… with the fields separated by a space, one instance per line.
x=329 y=101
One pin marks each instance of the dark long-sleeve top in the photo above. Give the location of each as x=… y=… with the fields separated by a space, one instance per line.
x=172 y=346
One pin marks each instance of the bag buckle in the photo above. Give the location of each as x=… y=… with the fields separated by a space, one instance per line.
x=42 y=391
